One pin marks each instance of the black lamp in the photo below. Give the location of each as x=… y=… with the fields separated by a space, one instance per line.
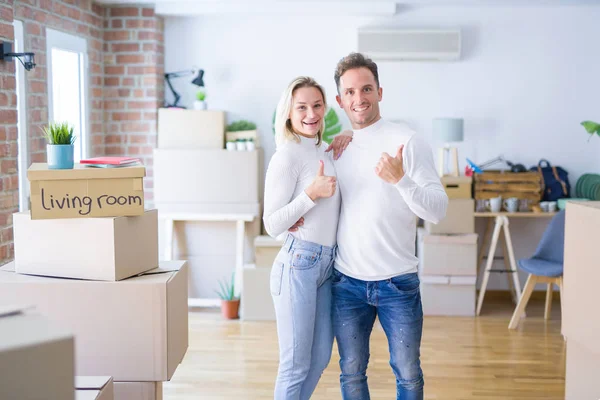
x=6 y=54
x=198 y=81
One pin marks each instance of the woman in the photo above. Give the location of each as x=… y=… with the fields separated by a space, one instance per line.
x=301 y=182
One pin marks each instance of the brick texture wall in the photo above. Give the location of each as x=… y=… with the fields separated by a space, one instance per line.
x=9 y=181
x=78 y=17
x=126 y=66
x=133 y=83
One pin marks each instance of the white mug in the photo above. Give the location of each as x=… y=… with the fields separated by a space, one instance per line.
x=511 y=204
x=494 y=204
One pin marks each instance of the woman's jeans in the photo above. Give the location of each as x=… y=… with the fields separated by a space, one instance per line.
x=301 y=290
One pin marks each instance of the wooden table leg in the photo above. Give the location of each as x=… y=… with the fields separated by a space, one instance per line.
x=169 y=239
x=484 y=242
x=506 y=261
x=490 y=260
x=513 y=263
x=239 y=254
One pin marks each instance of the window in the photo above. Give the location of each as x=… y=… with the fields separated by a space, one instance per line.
x=68 y=85
x=23 y=162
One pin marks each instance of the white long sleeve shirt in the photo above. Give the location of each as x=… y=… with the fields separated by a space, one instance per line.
x=377 y=227
x=292 y=169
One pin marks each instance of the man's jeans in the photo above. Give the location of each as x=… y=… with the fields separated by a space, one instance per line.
x=397 y=303
x=301 y=290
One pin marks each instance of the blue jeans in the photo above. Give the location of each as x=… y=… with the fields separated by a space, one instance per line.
x=397 y=303
x=301 y=290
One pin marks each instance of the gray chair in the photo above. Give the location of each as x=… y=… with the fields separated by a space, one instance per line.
x=546 y=266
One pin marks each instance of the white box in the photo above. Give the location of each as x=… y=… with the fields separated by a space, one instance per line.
x=460 y=218
x=581 y=274
x=94 y=388
x=448 y=254
x=582 y=371
x=133 y=330
x=104 y=249
x=448 y=295
x=257 y=303
x=190 y=129
x=138 y=391
x=36 y=357
x=219 y=179
x=266 y=249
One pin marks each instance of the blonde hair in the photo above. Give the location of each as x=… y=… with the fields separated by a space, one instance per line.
x=283 y=125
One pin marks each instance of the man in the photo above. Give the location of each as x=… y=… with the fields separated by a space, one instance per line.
x=386 y=177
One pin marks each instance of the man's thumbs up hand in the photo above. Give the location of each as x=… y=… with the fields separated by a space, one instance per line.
x=322 y=186
x=389 y=168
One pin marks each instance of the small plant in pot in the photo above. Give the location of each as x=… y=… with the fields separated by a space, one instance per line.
x=230 y=304
x=200 y=103
x=60 y=150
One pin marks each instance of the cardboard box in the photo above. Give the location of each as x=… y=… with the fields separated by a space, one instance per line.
x=105 y=249
x=190 y=129
x=94 y=388
x=460 y=218
x=209 y=177
x=36 y=357
x=582 y=370
x=256 y=301
x=266 y=249
x=133 y=330
x=138 y=391
x=448 y=295
x=253 y=134
x=448 y=254
x=458 y=187
x=581 y=274
x=85 y=191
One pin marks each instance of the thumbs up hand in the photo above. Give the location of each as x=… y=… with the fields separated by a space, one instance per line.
x=323 y=186
x=389 y=168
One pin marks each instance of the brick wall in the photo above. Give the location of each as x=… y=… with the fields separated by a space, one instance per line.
x=134 y=83
x=9 y=181
x=78 y=17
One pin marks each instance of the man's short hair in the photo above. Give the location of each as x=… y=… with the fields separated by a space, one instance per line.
x=353 y=61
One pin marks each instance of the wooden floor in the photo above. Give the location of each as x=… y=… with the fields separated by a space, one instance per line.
x=462 y=358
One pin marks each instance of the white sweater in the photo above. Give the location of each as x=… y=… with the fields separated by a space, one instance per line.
x=292 y=168
x=377 y=227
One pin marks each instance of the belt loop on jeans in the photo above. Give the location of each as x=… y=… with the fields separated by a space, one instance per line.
x=289 y=241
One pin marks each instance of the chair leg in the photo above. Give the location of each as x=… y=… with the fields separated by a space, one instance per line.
x=527 y=290
x=548 y=302
x=562 y=302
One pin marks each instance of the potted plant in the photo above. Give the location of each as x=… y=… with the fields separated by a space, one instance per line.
x=242 y=129
x=200 y=104
x=60 y=149
x=230 y=304
x=591 y=128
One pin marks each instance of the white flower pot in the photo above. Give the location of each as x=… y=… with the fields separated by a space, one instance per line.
x=241 y=146
x=199 y=105
x=250 y=146
x=230 y=146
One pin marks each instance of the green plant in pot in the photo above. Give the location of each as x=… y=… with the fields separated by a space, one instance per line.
x=240 y=126
x=200 y=103
x=60 y=149
x=591 y=128
x=230 y=304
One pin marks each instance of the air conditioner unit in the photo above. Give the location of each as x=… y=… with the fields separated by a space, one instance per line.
x=409 y=45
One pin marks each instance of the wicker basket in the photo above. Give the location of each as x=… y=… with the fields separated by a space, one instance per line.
x=522 y=185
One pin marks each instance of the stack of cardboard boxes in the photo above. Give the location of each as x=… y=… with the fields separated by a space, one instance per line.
x=448 y=254
x=257 y=303
x=193 y=173
x=86 y=257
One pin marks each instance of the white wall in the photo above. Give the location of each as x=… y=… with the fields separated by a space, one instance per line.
x=527 y=78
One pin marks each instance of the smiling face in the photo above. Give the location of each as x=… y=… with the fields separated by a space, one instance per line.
x=308 y=110
x=359 y=96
